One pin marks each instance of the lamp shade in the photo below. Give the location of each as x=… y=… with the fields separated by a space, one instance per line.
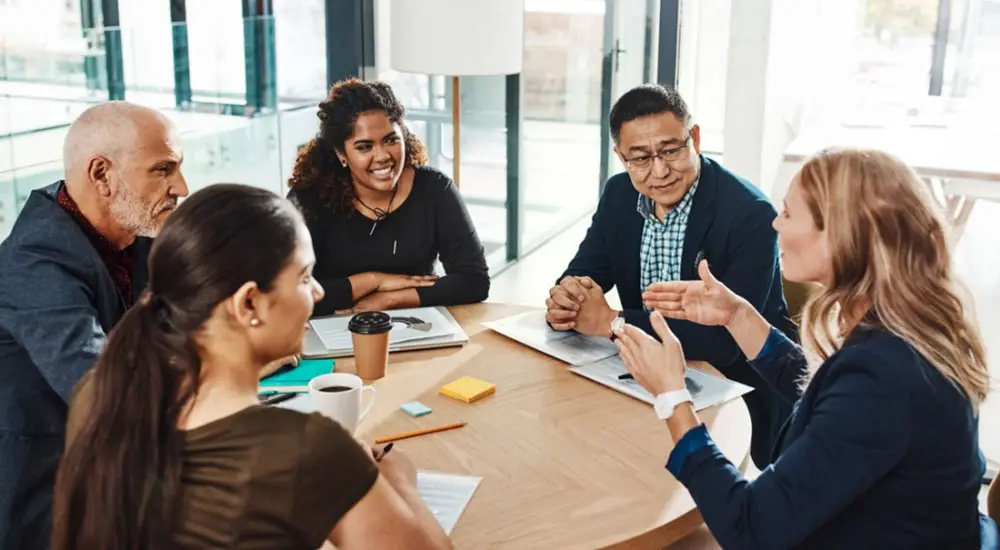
x=457 y=37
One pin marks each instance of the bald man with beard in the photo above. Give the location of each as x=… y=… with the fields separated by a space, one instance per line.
x=73 y=263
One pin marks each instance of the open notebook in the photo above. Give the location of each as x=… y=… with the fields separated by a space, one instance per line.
x=412 y=329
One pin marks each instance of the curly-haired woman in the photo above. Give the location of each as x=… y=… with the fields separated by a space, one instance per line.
x=379 y=217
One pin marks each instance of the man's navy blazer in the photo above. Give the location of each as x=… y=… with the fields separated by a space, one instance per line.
x=729 y=226
x=57 y=303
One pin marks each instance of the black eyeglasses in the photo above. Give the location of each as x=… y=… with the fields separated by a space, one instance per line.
x=644 y=162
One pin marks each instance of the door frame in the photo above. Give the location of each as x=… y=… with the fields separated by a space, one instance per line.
x=659 y=60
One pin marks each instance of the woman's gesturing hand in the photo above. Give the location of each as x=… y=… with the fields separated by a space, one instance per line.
x=706 y=301
x=657 y=366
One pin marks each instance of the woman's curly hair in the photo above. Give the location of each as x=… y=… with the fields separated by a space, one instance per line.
x=317 y=164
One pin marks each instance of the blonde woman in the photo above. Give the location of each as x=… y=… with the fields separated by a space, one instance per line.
x=881 y=450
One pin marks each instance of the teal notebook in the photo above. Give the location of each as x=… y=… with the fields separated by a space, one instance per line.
x=297 y=378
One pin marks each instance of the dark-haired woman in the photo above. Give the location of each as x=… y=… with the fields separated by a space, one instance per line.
x=379 y=217
x=167 y=446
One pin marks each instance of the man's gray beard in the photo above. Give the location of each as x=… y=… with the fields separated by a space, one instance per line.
x=132 y=214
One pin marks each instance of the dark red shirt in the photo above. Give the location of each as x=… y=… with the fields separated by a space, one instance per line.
x=117 y=261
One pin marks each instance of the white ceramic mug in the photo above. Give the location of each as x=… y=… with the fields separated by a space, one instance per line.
x=344 y=407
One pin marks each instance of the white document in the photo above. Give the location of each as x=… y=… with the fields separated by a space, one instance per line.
x=574 y=348
x=706 y=389
x=446 y=495
x=301 y=403
x=407 y=325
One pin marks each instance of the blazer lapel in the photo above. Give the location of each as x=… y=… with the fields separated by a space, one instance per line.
x=631 y=230
x=699 y=221
x=55 y=219
x=634 y=225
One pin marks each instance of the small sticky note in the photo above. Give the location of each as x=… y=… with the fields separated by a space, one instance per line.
x=415 y=408
x=468 y=389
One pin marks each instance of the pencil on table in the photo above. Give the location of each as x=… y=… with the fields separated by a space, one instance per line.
x=415 y=433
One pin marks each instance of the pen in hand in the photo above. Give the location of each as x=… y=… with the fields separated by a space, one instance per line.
x=384 y=451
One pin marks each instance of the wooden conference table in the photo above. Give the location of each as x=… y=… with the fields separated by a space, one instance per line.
x=566 y=463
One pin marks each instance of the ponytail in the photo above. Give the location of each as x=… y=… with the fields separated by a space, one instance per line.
x=118 y=479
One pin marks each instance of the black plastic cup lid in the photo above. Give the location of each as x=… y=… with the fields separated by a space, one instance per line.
x=370 y=322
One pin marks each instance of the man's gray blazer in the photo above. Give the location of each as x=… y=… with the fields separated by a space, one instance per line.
x=57 y=303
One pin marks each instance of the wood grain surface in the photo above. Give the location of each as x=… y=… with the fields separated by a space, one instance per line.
x=566 y=463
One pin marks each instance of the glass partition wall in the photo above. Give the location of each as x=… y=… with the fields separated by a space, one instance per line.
x=242 y=80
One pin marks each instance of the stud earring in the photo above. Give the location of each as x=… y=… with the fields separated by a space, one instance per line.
x=343 y=163
x=255 y=322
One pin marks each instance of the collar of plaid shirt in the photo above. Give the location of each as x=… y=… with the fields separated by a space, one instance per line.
x=662 y=244
x=646 y=208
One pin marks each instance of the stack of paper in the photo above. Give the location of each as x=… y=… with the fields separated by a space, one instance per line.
x=572 y=347
x=598 y=360
x=446 y=495
x=706 y=389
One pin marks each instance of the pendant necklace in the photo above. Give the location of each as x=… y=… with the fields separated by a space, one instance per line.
x=379 y=213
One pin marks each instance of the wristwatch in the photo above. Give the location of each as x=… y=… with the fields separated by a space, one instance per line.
x=617 y=324
x=665 y=403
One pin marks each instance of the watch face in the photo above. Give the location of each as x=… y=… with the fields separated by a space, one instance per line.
x=617 y=324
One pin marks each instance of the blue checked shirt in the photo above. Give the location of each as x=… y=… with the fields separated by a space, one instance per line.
x=663 y=242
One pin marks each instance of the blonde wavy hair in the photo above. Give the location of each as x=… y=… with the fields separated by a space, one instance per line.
x=891 y=258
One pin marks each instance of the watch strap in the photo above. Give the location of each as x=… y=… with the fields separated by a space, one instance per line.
x=665 y=403
x=617 y=322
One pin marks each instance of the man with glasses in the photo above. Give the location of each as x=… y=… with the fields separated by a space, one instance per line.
x=671 y=210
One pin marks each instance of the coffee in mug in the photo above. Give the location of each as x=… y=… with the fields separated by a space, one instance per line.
x=370 y=337
x=334 y=389
x=338 y=396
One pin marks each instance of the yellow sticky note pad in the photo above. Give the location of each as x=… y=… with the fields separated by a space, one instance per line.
x=468 y=389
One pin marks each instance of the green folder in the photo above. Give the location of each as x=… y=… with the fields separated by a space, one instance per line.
x=297 y=378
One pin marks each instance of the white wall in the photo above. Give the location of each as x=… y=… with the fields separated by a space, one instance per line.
x=750 y=39
x=788 y=60
x=702 y=66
